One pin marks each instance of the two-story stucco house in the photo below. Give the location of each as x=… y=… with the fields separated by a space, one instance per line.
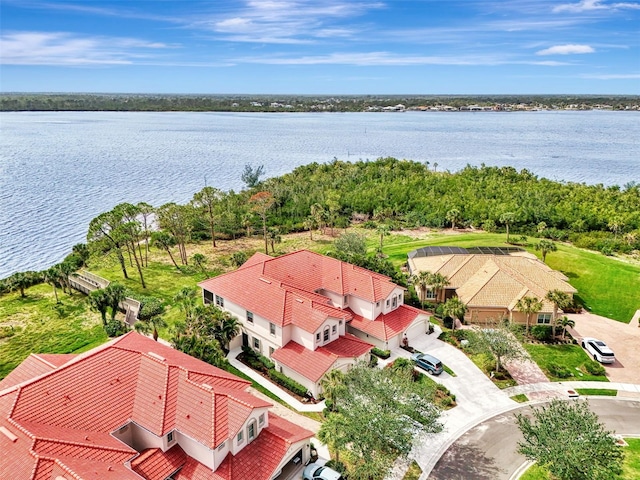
x=311 y=313
x=135 y=409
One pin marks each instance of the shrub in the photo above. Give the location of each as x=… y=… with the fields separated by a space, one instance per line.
x=594 y=368
x=288 y=383
x=541 y=332
x=373 y=361
x=381 y=353
x=115 y=328
x=447 y=322
x=559 y=371
x=337 y=466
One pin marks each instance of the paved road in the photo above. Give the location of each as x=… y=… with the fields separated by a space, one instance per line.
x=488 y=451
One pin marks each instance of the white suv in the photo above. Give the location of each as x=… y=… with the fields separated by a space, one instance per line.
x=599 y=350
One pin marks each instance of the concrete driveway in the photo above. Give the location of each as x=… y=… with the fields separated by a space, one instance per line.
x=622 y=338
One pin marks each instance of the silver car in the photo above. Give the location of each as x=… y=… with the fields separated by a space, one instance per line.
x=313 y=471
x=599 y=350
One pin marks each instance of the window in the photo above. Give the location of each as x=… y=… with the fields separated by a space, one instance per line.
x=261 y=420
x=387 y=302
x=340 y=322
x=334 y=329
x=271 y=350
x=208 y=297
x=249 y=316
x=318 y=337
x=430 y=294
x=272 y=329
x=221 y=446
x=240 y=437
x=394 y=302
x=219 y=301
x=251 y=430
x=169 y=437
x=326 y=334
x=544 y=318
x=256 y=343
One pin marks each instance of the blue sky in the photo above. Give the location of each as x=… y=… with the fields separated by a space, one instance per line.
x=322 y=46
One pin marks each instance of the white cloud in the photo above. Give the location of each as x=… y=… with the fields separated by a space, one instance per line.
x=614 y=76
x=590 y=5
x=287 y=21
x=61 y=48
x=569 y=49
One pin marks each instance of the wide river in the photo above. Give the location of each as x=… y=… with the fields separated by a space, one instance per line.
x=58 y=170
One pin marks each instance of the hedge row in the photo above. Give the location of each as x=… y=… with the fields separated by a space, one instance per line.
x=288 y=383
x=381 y=353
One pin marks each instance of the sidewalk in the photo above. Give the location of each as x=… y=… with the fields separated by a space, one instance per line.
x=272 y=387
x=562 y=387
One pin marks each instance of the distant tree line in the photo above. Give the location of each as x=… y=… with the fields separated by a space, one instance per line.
x=291 y=103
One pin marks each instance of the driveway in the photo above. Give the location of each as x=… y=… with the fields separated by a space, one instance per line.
x=622 y=338
x=489 y=450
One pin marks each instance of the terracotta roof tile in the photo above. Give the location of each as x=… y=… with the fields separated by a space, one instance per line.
x=308 y=363
x=154 y=464
x=389 y=325
x=151 y=394
x=31 y=367
x=348 y=346
x=57 y=359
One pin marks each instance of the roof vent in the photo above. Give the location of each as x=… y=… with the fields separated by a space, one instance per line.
x=265 y=280
x=206 y=386
x=157 y=357
x=8 y=434
x=299 y=300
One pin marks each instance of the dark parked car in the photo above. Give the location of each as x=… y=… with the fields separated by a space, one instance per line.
x=431 y=364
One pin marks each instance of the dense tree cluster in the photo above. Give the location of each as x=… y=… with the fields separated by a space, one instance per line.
x=296 y=103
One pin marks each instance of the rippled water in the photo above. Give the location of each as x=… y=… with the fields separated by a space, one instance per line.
x=60 y=170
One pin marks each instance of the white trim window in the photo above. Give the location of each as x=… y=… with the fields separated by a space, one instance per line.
x=219 y=301
x=544 y=318
x=250 y=317
x=430 y=294
x=240 y=437
x=272 y=329
x=252 y=431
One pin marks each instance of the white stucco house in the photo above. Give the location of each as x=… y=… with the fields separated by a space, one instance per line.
x=310 y=313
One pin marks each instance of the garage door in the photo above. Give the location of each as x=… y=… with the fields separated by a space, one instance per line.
x=419 y=327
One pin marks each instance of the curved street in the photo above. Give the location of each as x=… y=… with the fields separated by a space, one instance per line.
x=488 y=450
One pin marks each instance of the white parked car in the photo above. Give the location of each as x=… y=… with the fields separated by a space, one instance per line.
x=598 y=350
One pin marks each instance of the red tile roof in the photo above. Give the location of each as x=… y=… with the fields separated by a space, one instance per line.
x=60 y=422
x=313 y=364
x=32 y=366
x=387 y=326
x=273 y=287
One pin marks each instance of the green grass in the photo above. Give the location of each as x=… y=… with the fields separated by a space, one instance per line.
x=487 y=364
x=535 y=472
x=597 y=391
x=520 y=398
x=570 y=356
x=448 y=370
x=414 y=472
x=606 y=285
x=630 y=466
x=46 y=327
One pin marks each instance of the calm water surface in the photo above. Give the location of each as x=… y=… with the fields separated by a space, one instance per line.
x=60 y=170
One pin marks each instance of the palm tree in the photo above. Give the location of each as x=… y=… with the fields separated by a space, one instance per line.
x=99 y=301
x=507 y=218
x=226 y=329
x=383 y=230
x=332 y=383
x=115 y=293
x=453 y=216
x=186 y=300
x=421 y=282
x=545 y=246
x=310 y=224
x=528 y=306
x=438 y=281
x=22 y=281
x=454 y=308
x=150 y=325
x=560 y=300
x=332 y=434
x=566 y=322
x=53 y=277
x=200 y=261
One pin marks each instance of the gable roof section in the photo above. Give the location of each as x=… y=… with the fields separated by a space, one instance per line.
x=389 y=325
x=32 y=366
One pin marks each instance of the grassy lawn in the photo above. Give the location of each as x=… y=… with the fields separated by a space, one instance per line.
x=630 y=466
x=520 y=398
x=597 y=391
x=571 y=356
x=606 y=285
x=414 y=472
x=42 y=326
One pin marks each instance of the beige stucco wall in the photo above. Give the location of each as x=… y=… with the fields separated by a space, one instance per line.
x=197 y=450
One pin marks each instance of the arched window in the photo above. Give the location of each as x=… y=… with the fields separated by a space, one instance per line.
x=252 y=431
x=326 y=334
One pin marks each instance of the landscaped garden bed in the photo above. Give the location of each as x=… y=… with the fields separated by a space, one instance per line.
x=566 y=362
